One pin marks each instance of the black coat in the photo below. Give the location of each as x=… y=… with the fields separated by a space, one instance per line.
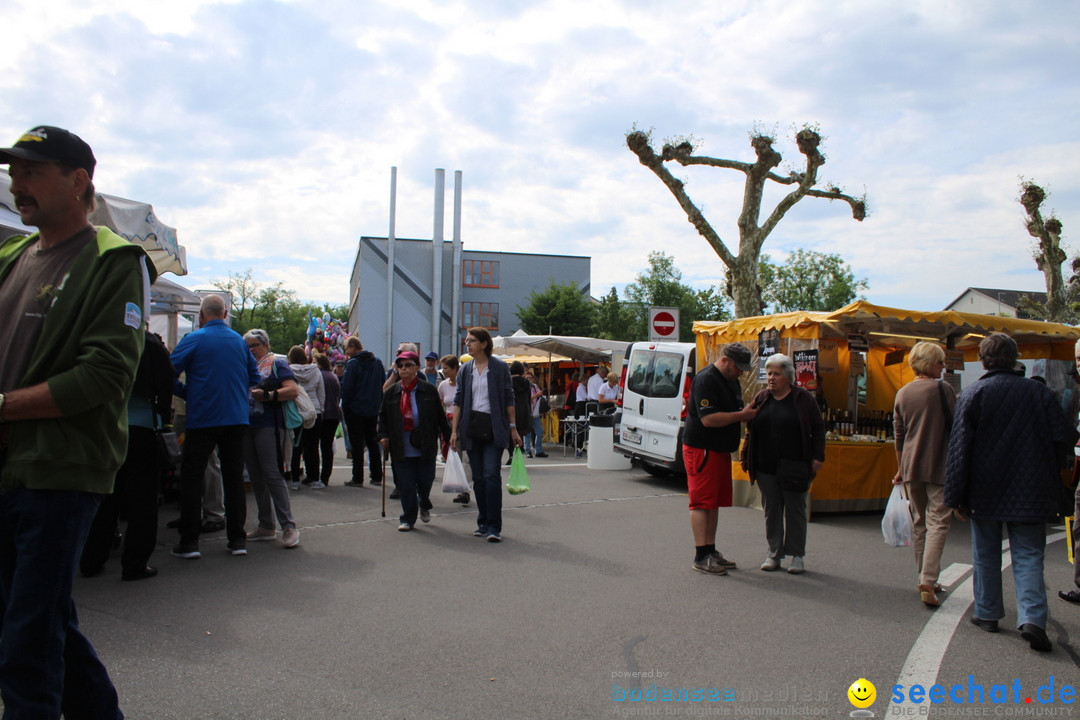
x=1008 y=443
x=430 y=424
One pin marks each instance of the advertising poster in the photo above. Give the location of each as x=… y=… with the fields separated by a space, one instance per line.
x=806 y=364
x=828 y=357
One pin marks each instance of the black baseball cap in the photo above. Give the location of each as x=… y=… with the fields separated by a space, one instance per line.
x=740 y=355
x=51 y=144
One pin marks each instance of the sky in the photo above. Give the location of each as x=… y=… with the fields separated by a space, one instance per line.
x=265 y=131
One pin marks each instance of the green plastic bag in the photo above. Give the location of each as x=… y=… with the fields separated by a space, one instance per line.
x=519 y=476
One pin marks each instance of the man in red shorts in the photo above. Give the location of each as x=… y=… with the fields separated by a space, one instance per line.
x=712 y=433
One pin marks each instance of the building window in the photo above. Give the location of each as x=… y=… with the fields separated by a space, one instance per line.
x=480 y=273
x=480 y=314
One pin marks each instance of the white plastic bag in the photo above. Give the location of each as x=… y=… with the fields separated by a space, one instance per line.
x=896 y=525
x=453 y=478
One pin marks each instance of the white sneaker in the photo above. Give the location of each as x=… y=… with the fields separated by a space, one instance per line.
x=425 y=515
x=770 y=564
x=318 y=485
x=798 y=567
x=295 y=484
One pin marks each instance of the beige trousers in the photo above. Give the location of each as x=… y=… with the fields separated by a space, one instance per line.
x=931 y=520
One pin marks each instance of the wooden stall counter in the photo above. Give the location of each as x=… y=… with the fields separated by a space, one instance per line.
x=855 y=476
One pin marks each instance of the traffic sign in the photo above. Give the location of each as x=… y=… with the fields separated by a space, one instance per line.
x=664 y=324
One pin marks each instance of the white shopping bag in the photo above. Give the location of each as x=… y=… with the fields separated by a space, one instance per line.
x=453 y=479
x=896 y=525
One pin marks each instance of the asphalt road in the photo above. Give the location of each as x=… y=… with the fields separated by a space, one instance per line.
x=590 y=598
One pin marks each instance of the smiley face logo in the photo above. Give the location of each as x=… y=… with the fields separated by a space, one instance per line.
x=862 y=693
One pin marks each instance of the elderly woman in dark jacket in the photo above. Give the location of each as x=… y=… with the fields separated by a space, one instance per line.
x=484 y=425
x=785 y=449
x=410 y=424
x=1009 y=440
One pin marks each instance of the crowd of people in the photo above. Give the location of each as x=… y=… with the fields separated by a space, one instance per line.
x=993 y=458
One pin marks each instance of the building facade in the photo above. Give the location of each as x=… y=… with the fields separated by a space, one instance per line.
x=491 y=287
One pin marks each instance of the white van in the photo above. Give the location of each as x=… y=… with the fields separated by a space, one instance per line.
x=655 y=392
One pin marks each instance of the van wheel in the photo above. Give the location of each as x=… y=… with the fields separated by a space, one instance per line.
x=656 y=470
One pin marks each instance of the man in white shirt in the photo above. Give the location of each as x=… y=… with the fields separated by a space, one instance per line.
x=595 y=382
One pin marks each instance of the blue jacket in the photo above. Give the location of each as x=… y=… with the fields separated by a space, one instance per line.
x=1008 y=440
x=361 y=386
x=500 y=394
x=220 y=374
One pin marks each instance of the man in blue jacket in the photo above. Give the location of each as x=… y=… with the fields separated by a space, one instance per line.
x=361 y=400
x=220 y=373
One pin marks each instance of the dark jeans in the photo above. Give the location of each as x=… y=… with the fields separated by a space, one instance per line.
x=307 y=446
x=198 y=444
x=135 y=495
x=487 y=484
x=363 y=430
x=46 y=664
x=327 y=431
x=413 y=477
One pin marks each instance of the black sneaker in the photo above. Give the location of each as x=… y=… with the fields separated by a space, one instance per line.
x=211 y=526
x=462 y=498
x=187 y=551
x=1073 y=596
x=395 y=494
x=238 y=547
x=539 y=455
x=143 y=574
x=375 y=481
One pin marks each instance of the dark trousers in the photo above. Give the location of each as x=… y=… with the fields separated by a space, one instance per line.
x=134 y=495
x=306 y=445
x=198 y=444
x=487 y=484
x=327 y=432
x=363 y=431
x=47 y=666
x=413 y=477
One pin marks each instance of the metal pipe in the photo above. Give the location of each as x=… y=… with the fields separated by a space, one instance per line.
x=389 y=269
x=436 y=264
x=455 y=291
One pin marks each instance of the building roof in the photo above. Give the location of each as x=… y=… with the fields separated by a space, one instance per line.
x=1005 y=297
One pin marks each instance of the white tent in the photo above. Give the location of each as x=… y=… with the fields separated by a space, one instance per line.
x=136 y=221
x=584 y=349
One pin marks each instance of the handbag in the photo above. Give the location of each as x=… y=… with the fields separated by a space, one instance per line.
x=454 y=479
x=168 y=449
x=480 y=427
x=519 y=476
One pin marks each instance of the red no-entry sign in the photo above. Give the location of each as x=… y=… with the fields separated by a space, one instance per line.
x=664 y=324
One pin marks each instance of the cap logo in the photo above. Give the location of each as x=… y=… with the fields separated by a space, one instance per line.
x=704 y=402
x=35 y=136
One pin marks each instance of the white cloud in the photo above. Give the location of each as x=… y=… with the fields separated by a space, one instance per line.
x=264 y=131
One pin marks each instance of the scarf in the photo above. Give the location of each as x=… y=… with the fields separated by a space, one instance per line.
x=406 y=405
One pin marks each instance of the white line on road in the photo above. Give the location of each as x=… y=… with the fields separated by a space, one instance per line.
x=924 y=660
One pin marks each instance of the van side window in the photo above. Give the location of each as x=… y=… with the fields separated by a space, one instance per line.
x=655 y=374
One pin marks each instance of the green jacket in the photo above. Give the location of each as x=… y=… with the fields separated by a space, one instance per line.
x=88 y=353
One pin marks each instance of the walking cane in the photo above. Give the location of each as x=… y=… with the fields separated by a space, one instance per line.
x=383 y=483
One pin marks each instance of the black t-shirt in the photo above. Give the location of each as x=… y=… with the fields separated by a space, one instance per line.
x=777 y=433
x=712 y=392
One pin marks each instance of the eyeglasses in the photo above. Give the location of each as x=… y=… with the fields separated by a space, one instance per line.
x=405 y=365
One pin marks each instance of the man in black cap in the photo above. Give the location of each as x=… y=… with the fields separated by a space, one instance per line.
x=712 y=433
x=74 y=299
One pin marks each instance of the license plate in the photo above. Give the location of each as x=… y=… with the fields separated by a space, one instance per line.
x=631 y=437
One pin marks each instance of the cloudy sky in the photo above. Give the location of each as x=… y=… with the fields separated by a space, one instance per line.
x=265 y=131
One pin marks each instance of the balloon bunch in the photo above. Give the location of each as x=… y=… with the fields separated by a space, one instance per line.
x=327 y=336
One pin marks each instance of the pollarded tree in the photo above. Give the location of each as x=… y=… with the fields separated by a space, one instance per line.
x=1060 y=298
x=743 y=266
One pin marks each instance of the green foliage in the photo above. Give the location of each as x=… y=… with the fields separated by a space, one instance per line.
x=661 y=286
x=558 y=310
x=614 y=320
x=808 y=280
x=274 y=309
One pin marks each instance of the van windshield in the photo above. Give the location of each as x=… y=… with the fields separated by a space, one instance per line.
x=655 y=374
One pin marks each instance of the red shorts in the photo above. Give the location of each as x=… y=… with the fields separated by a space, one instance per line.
x=708 y=478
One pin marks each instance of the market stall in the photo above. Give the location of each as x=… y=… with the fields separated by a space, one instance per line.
x=854 y=359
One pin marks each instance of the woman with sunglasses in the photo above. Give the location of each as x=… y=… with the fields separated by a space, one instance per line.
x=484 y=425
x=410 y=424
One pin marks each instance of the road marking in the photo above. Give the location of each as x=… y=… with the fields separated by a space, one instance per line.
x=924 y=660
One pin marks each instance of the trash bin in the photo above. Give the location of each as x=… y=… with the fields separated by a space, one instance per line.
x=602 y=455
